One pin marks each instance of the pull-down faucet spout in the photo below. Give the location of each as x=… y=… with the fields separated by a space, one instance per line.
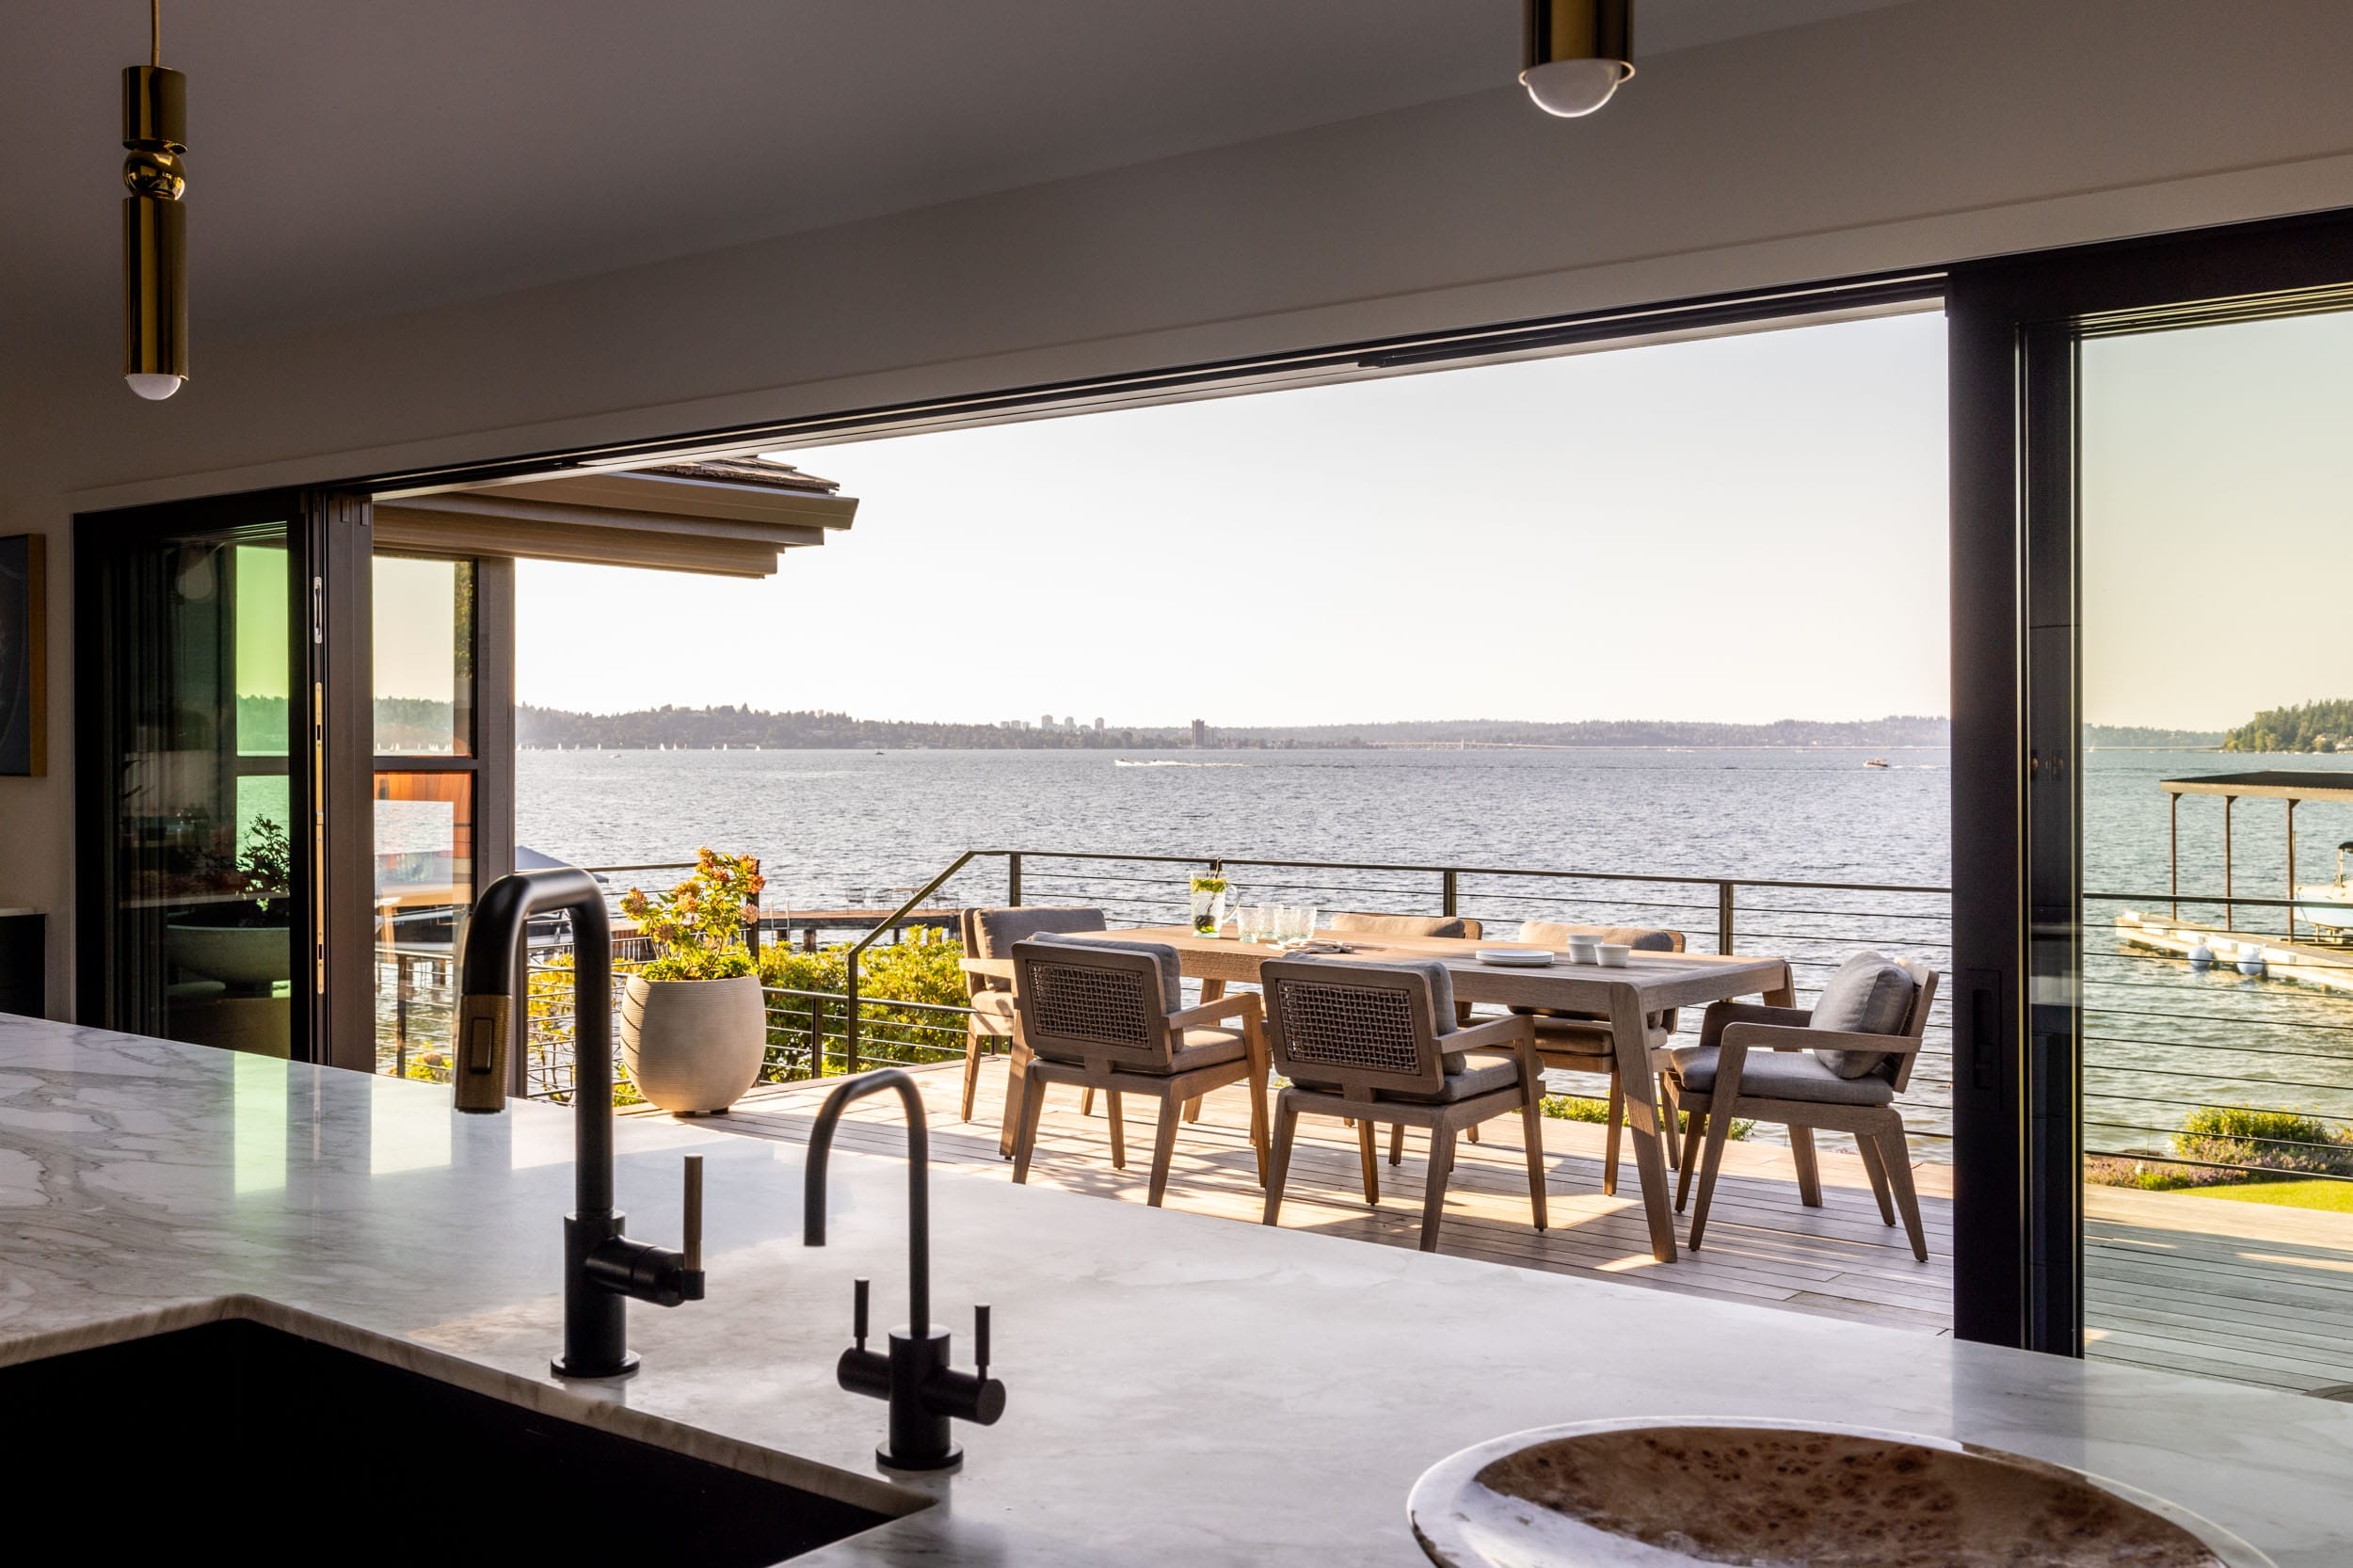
x=602 y=1268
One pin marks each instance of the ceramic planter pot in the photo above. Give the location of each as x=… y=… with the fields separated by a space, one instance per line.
x=693 y=1047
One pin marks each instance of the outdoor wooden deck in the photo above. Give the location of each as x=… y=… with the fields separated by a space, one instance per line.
x=2225 y=1290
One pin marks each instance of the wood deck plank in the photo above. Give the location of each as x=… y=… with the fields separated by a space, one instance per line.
x=2230 y=1291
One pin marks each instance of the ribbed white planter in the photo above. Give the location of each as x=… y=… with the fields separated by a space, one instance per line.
x=693 y=1047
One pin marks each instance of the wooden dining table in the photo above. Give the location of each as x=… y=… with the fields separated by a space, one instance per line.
x=1650 y=982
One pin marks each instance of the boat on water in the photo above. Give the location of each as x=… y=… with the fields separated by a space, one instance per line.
x=1876 y=762
x=2328 y=906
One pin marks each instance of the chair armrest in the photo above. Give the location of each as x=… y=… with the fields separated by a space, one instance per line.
x=1495 y=1035
x=1781 y=1037
x=1721 y=1013
x=1244 y=1005
x=993 y=969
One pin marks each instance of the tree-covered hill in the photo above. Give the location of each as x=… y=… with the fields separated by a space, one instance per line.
x=2312 y=727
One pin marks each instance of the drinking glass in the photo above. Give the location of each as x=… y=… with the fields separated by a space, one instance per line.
x=1250 y=922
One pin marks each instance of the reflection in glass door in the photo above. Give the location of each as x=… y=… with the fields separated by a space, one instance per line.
x=2215 y=799
x=429 y=777
x=190 y=693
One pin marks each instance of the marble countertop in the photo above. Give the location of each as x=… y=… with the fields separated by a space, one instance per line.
x=1183 y=1389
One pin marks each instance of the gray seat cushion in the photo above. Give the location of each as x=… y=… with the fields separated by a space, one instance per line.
x=1207 y=1048
x=1781 y=1075
x=1868 y=995
x=1483 y=1077
x=994 y=1010
x=995 y=931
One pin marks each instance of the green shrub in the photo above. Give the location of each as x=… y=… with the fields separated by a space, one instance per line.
x=920 y=968
x=2287 y=1140
x=1576 y=1108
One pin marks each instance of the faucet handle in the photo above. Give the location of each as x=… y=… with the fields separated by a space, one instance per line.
x=857 y=1313
x=979 y=1338
x=694 y=1213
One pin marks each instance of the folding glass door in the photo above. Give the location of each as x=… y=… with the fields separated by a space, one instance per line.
x=213 y=774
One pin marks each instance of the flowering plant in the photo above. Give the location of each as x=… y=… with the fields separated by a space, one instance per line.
x=696 y=928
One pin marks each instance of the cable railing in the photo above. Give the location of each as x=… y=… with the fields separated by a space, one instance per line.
x=2184 y=1069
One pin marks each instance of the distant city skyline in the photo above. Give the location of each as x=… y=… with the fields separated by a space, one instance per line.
x=1739 y=530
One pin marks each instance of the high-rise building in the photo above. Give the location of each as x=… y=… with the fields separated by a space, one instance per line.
x=1098 y=726
x=1200 y=734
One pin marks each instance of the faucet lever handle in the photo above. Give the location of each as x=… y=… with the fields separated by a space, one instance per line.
x=857 y=1312
x=979 y=1338
x=694 y=1222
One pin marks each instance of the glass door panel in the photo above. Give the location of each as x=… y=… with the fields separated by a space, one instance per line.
x=2215 y=531
x=198 y=911
x=427 y=768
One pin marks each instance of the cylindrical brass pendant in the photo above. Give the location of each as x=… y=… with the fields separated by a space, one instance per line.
x=1579 y=30
x=154 y=230
x=154 y=287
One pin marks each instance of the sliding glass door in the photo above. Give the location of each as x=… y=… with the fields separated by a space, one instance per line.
x=2153 y=518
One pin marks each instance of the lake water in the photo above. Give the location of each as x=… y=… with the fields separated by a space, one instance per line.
x=828 y=826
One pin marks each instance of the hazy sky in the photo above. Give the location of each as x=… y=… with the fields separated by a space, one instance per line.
x=1740 y=529
x=2218 y=486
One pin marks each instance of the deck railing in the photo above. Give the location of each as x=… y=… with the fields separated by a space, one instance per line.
x=2164 y=1044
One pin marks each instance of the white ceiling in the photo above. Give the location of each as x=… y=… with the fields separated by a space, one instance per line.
x=351 y=159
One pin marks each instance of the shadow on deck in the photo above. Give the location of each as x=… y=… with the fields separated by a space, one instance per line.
x=2224 y=1289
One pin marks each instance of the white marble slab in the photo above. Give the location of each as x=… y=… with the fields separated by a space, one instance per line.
x=1183 y=1390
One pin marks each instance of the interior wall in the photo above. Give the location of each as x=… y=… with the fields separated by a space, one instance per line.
x=1896 y=139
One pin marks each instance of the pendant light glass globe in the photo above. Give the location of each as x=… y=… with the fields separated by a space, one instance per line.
x=1572 y=88
x=155 y=386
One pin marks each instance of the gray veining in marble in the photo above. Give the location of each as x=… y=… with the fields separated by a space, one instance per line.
x=1183 y=1389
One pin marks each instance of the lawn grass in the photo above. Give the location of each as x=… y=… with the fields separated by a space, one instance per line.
x=2336 y=1195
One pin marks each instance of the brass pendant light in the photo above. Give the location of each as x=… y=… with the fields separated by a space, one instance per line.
x=155 y=225
x=1578 y=53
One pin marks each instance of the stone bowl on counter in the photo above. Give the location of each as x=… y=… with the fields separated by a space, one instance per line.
x=1657 y=1495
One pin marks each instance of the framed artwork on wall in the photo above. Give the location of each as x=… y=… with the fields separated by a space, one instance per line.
x=24 y=648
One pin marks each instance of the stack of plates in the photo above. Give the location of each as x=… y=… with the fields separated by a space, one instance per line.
x=1517 y=958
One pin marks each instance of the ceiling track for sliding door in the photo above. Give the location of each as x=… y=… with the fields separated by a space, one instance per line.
x=1695 y=316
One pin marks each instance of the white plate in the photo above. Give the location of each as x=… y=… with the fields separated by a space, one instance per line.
x=1515 y=958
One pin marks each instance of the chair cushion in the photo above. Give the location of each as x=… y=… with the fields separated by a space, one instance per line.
x=1781 y=1075
x=1207 y=1048
x=997 y=930
x=994 y=1010
x=1401 y=925
x=1485 y=1077
x=1868 y=995
x=1555 y=933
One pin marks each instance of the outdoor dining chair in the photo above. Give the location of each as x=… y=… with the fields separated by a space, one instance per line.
x=1370 y=924
x=989 y=935
x=1111 y=1015
x=1380 y=1043
x=1584 y=1042
x=1837 y=1066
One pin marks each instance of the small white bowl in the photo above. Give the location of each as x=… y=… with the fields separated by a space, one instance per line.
x=1580 y=950
x=1612 y=955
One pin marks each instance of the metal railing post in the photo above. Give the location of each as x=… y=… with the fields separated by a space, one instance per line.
x=1723 y=917
x=1449 y=892
x=1012 y=880
x=816 y=1038
x=849 y=1019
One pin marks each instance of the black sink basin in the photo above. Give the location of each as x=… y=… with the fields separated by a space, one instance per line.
x=236 y=1441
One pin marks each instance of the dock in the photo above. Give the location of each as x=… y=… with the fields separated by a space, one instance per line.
x=2323 y=965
